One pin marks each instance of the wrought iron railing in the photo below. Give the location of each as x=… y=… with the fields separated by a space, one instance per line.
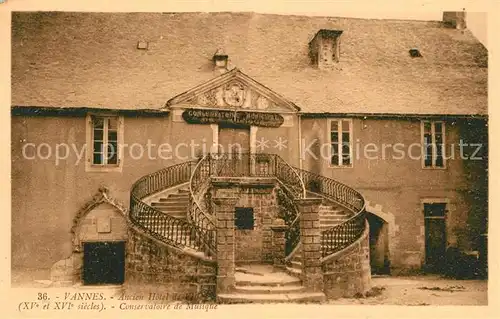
x=199 y=231
x=289 y=212
x=174 y=231
x=257 y=165
x=198 y=213
x=340 y=236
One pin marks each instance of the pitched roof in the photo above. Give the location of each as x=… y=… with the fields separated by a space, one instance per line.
x=65 y=59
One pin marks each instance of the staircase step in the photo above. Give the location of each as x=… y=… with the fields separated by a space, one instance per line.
x=292 y=281
x=170 y=205
x=175 y=196
x=294 y=271
x=333 y=216
x=268 y=289
x=326 y=213
x=271 y=298
x=296 y=264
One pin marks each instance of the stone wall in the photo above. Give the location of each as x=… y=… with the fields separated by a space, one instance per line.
x=256 y=244
x=150 y=263
x=347 y=273
x=260 y=194
x=101 y=219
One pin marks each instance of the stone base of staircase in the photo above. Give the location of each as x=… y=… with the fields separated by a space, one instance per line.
x=266 y=284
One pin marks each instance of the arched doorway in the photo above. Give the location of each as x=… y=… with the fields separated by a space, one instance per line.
x=379 y=245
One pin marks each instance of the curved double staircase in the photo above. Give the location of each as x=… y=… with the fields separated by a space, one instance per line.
x=172 y=205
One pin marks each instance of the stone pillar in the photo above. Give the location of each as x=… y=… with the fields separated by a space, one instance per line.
x=278 y=242
x=310 y=235
x=224 y=213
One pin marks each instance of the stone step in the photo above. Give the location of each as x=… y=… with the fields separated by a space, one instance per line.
x=175 y=206
x=168 y=232
x=332 y=216
x=175 y=196
x=303 y=297
x=173 y=211
x=330 y=222
x=181 y=215
x=268 y=289
x=294 y=271
x=324 y=226
x=296 y=264
x=326 y=213
x=281 y=279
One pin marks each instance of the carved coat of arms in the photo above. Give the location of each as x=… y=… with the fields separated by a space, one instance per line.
x=234 y=94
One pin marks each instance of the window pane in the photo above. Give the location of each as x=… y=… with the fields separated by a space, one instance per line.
x=335 y=160
x=98 y=147
x=334 y=137
x=439 y=161
x=438 y=128
x=345 y=149
x=334 y=126
x=439 y=155
x=112 y=123
x=98 y=134
x=428 y=155
x=439 y=138
x=346 y=156
x=335 y=154
x=112 y=136
x=97 y=122
x=427 y=127
x=98 y=159
x=345 y=138
x=345 y=126
x=112 y=152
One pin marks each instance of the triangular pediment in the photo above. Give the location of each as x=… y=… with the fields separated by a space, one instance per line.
x=233 y=90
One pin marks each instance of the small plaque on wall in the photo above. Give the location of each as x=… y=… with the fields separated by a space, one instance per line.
x=104 y=225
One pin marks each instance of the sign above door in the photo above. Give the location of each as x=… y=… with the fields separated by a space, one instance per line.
x=201 y=116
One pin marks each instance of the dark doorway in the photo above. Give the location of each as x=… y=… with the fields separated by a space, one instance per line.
x=103 y=263
x=435 y=236
x=379 y=245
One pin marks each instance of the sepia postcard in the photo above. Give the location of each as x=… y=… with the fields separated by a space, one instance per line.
x=221 y=159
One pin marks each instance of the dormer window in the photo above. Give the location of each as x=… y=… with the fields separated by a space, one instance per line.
x=220 y=61
x=324 y=48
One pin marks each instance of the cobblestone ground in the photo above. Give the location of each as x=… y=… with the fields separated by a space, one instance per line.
x=422 y=291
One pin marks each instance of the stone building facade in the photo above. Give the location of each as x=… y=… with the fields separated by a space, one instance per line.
x=342 y=101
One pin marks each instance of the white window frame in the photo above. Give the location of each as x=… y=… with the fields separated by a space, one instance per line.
x=433 y=142
x=339 y=150
x=89 y=149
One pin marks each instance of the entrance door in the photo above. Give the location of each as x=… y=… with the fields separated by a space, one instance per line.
x=103 y=263
x=234 y=143
x=379 y=245
x=435 y=236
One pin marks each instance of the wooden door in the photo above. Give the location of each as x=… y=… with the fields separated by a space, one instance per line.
x=103 y=263
x=234 y=144
x=435 y=236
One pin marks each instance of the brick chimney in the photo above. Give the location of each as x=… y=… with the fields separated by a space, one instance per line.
x=455 y=19
x=220 y=61
x=324 y=48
